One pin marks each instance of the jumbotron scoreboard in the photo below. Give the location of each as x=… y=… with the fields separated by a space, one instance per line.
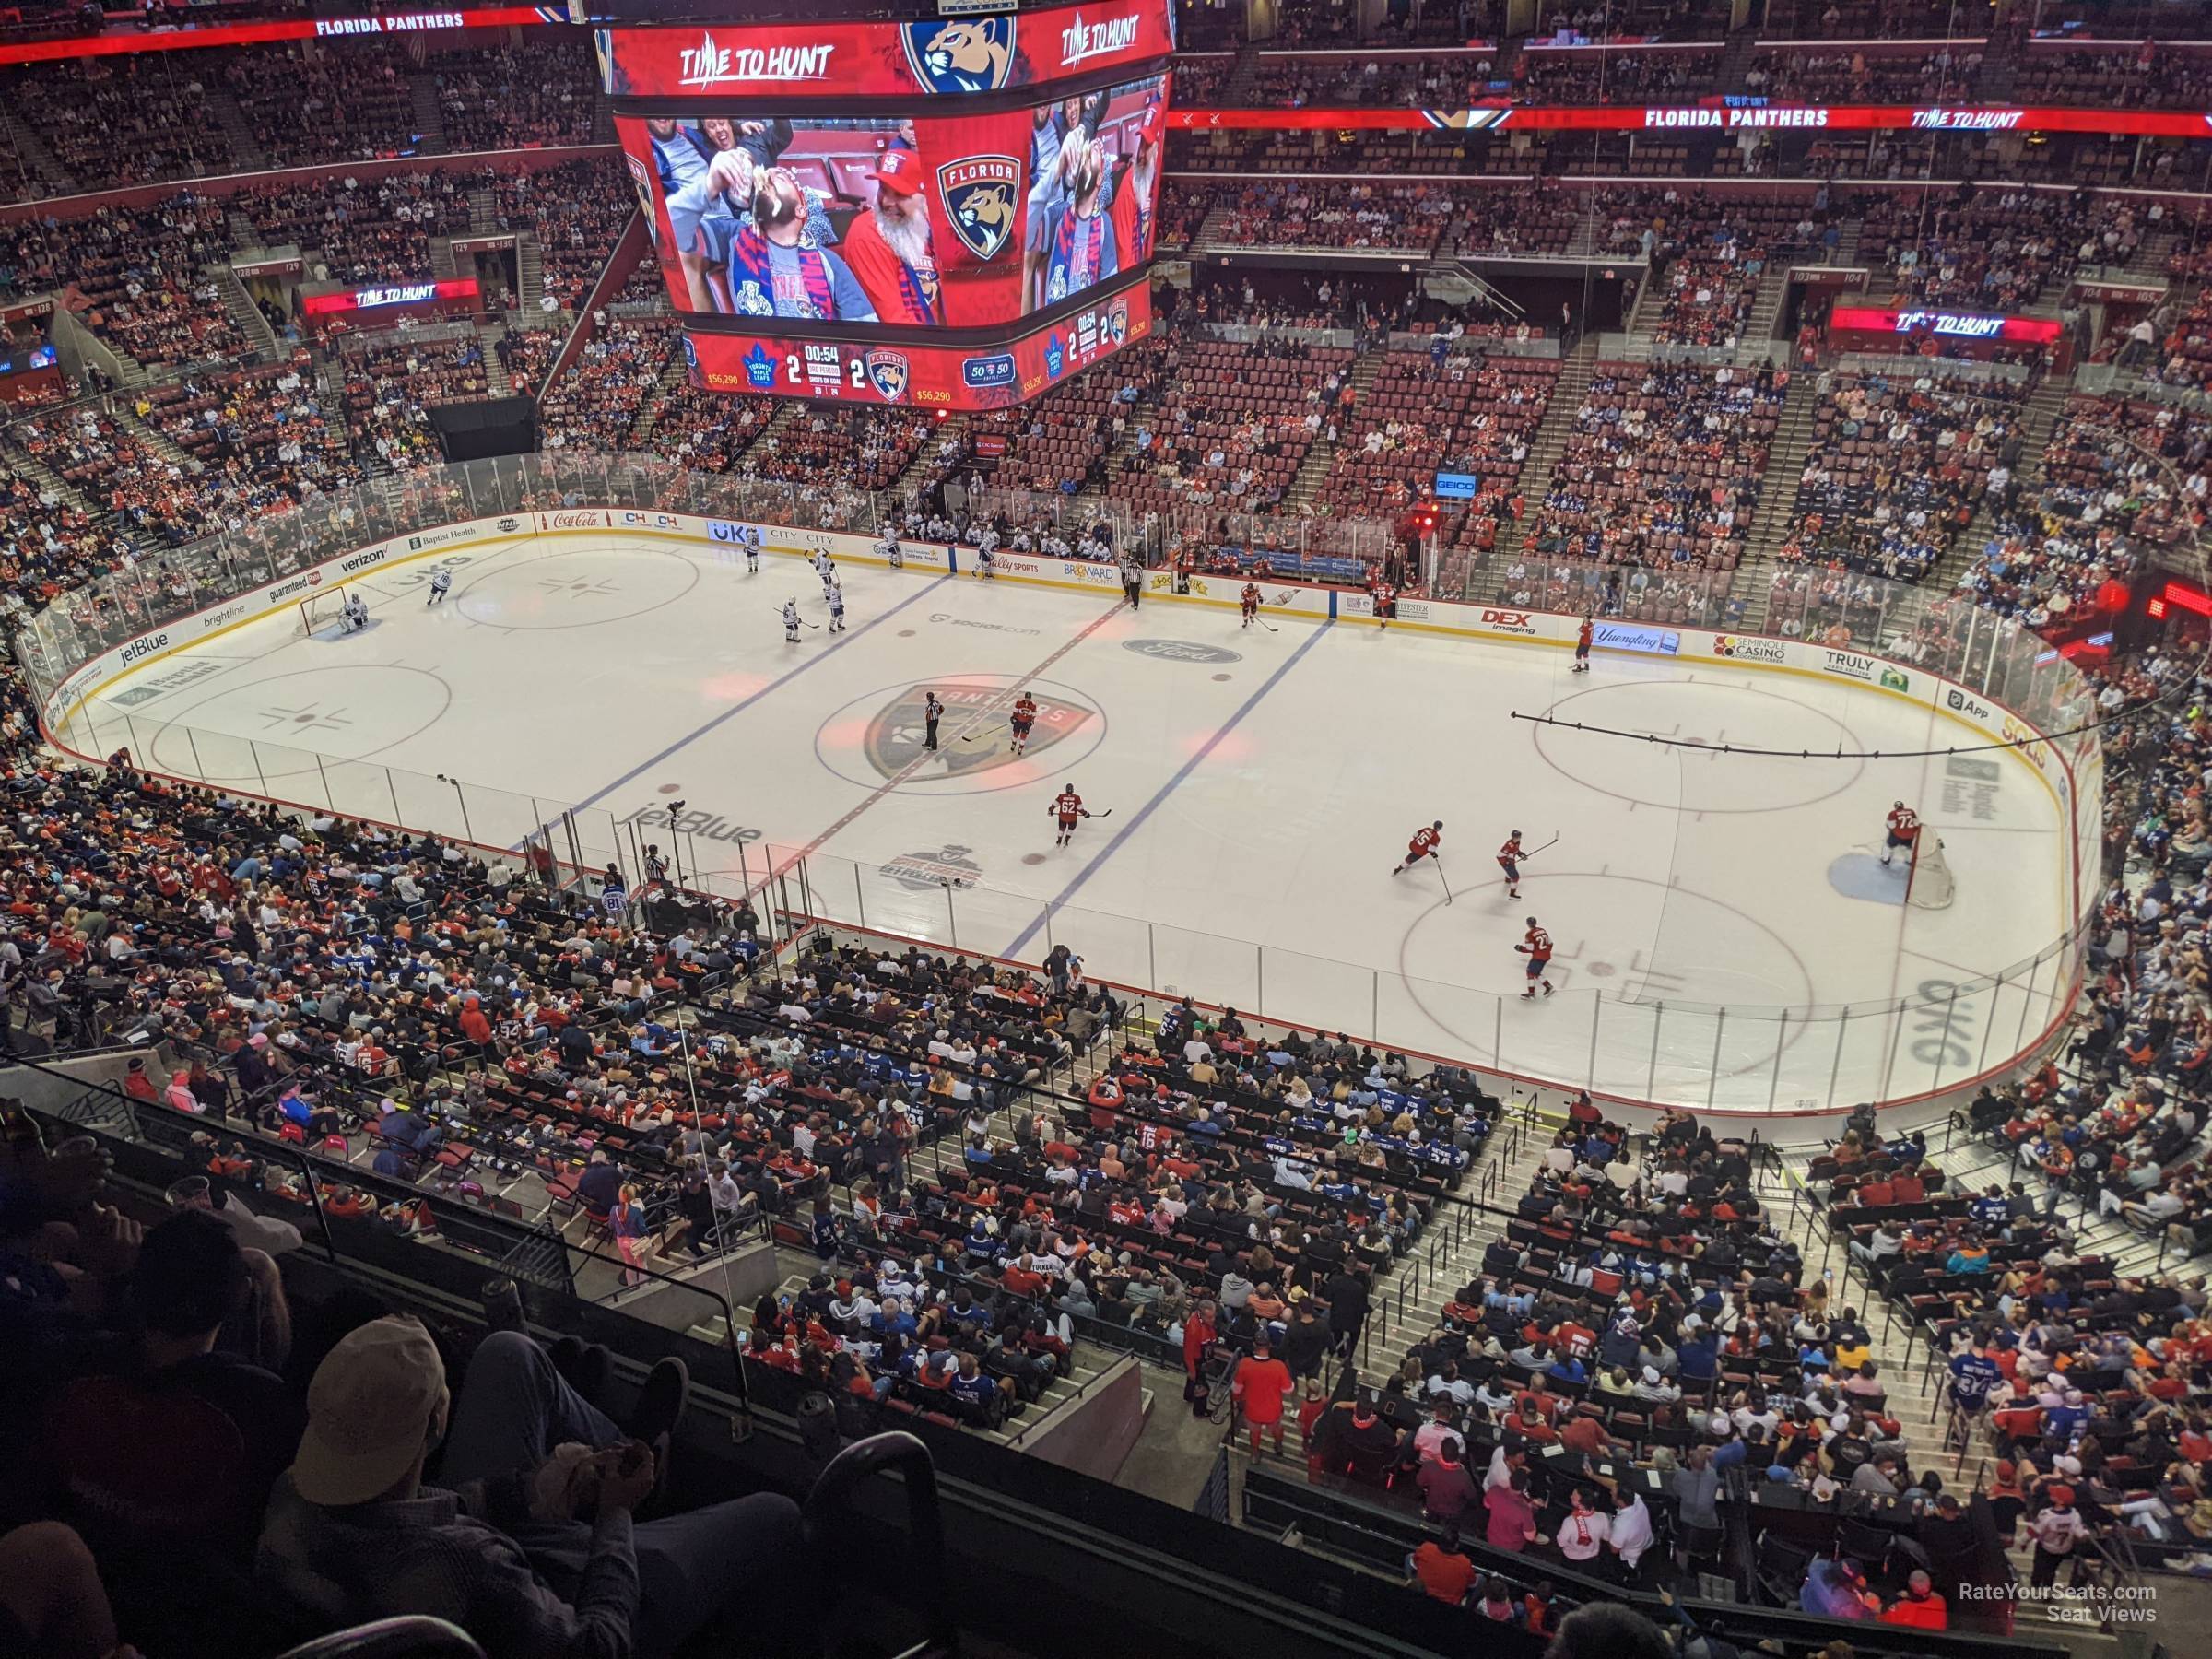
x=953 y=213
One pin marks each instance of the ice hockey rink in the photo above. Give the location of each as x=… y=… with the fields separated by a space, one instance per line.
x=1725 y=935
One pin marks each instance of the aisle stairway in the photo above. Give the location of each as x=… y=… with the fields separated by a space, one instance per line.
x=245 y=148
x=430 y=119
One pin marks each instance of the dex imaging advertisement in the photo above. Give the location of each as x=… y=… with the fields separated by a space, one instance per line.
x=931 y=222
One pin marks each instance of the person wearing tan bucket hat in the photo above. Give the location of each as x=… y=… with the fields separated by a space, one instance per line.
x=530 y=1543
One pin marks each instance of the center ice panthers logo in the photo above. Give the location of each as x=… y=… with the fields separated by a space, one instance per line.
x=887 y=372
x=980 y=201
x=968 y=55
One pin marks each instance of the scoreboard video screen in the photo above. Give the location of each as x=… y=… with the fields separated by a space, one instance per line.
x=953 y=213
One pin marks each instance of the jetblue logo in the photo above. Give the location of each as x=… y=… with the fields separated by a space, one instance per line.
x=989 y=370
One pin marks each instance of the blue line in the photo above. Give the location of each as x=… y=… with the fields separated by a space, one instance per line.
x=774 y=685
x=1182 y=773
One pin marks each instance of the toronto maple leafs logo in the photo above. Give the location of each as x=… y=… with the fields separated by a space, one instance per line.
x=760 y=365
x=888 y=373
x=1055 y=356
x=982 y=201
x=961 y=54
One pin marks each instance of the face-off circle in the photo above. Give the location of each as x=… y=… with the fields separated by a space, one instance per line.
x=884 y=736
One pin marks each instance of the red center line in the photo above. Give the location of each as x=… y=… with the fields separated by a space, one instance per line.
x=1001 y=699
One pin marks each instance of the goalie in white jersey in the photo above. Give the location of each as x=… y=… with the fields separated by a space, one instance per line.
x=355 y=612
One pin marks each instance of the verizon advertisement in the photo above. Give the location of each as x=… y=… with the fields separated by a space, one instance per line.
x=1722 y=117
x=939 y=57
x=942 y=377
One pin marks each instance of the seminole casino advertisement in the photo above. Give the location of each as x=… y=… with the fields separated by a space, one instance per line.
x=953 y=213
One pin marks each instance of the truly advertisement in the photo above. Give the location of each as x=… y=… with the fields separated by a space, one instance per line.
x=938 y=377
x=935 y=57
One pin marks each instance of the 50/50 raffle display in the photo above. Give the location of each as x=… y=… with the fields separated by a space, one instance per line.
x=952 y=212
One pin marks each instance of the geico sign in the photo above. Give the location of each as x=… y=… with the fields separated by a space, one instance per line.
x=1505 y=621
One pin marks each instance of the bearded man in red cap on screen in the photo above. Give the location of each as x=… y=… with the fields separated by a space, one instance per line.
x=889 y=246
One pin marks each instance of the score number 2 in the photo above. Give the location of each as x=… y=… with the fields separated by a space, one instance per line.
x=856 y=373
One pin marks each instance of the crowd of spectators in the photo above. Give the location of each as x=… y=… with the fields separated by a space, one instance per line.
x=527 y=96
x=1995 y=250
x=373 y=231
x=575 y=211
x=392 y=382
x=138 y=272
x=262 y=432
x=1861 y=76
x=1621 y=74
x=133 y=119
x=1436 y=80
x=345 y=101
x=2142 y=74
x=1898 y=464
x=593 y=405
x=1662 y=467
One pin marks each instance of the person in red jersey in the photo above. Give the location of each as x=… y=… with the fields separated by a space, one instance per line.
x=1422 y=845
x=1581 y=647
x=1904 y=829
x=1508 y=860
x=889 y=249
x=1248 y=603
x=1536 y=944
x=1067 y=806
x=1021 y=720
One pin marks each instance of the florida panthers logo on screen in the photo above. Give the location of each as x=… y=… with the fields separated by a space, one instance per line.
x=887 y=372
x=982 y=201
x=964 y=54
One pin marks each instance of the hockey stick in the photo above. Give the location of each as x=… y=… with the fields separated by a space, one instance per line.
x=1534 y=851
x=802 y=622
x=997 y=726
x=1440 y=875
x=1263 y=621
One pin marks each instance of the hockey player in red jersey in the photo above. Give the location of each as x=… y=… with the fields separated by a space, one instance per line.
x=1422 y=845
x=1581 y=647
x=1536 y=944
x=1904 y=829
x=1249 y=603
x=1387 y=602
x=1508 y=860
x=1067 y=806
x=1023 y=717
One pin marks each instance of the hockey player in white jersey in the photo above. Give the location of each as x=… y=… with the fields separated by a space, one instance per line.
x=791 y=621
x=835 y=595
x=891 y=552
x=823 y=568
x=441 y=579
x=986 y=554
x=356 y=613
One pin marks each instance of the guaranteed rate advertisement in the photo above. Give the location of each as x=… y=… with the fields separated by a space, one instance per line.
x=929 y=221
x=939 y=377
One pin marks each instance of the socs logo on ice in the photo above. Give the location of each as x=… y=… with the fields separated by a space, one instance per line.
x=889 y=373
x=961 y=55
x=896 y=735
x=950 y=865
x=1737 y=649
x=982 y=201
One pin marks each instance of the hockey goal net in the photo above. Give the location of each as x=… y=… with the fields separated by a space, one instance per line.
x=319 y=611
x=1928 y=883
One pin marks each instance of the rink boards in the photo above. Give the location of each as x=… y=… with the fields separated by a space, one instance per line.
x=1990 y=721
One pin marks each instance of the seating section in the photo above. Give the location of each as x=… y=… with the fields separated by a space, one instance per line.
x=373 y=231
x=147 y=290
x=530 y=96
x=1896 y=465
x=1997 y=251
x=1231 y=428
x=125 y=119
x=2138 y=76
x=1466 y=414
x=1060 y=442
x=347 y=101
x=592 y=407
x=265 y=425
x=1621 y=74
x=575 y=210
x=1663 y=467
x=391 y=386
